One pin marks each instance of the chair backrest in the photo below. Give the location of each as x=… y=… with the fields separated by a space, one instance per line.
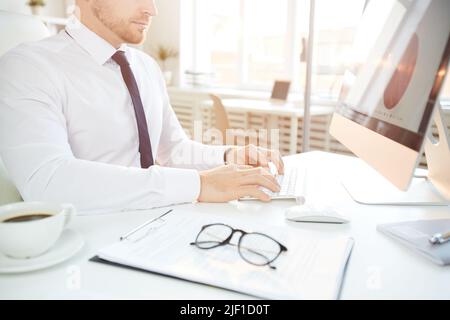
x=14 y=29
x=280 y=90
x=221 y=117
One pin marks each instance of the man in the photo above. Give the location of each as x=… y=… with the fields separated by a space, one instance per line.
x=86 y=119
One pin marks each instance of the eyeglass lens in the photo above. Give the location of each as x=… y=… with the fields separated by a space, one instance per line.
x=255 y=248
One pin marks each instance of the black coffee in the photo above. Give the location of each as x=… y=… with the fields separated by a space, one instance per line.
x=28 y=217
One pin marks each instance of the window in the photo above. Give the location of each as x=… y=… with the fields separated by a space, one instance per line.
x=335 y=29
x=250 y=43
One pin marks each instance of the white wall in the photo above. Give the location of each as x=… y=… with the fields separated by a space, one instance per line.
x=165 y=30
x=55 y=8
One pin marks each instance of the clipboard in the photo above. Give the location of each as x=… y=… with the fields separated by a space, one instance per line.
x=227 y=270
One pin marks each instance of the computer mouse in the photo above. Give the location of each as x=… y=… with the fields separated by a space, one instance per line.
x=307 y=213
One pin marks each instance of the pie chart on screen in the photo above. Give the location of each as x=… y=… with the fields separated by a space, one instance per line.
x=402 y=76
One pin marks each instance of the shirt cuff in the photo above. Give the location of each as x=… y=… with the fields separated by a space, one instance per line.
x=181 y=185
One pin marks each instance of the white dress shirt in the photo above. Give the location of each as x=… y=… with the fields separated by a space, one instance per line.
x=68 y=131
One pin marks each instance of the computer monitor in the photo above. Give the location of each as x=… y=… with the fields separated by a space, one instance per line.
x=389 y=95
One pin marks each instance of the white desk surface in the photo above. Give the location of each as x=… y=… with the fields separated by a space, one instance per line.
x=379 y=268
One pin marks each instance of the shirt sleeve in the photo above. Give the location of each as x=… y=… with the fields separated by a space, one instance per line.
x=177 y=150
x=35 y=148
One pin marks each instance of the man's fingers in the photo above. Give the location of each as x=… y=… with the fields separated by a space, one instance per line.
x=244 y=167
x=264 y=181
x=277 y=160
x=256 y=156
x=281 y=165
x=261 y=157
x=257 y=171
x=254 y=192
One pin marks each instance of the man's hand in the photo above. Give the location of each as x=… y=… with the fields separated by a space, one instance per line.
x=254 y=156
x=232 y=182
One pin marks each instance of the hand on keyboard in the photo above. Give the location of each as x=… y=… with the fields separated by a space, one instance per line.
x=256 y=156
x=232 y=182
x=291 y=185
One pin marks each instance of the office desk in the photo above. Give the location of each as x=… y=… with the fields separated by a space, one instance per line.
x=271 y=109
x=379 y=268
x=263 y=106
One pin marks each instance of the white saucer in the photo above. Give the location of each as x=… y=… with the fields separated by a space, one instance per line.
x=67 y=245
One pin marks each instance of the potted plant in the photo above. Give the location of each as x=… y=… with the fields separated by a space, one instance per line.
x=163 y=54
x=36 y=6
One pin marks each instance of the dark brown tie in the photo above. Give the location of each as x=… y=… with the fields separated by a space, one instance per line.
x=145 y=147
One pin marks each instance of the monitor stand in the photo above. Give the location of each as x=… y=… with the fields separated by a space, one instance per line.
x=428 y=188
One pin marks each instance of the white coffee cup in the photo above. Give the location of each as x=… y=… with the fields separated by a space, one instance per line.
x=29 y=229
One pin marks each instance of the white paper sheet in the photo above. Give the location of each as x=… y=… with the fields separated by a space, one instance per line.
x=312 y=268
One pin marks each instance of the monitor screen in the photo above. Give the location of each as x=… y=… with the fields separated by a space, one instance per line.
x=396 y=69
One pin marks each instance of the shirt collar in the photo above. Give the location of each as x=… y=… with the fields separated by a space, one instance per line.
x=100 y=49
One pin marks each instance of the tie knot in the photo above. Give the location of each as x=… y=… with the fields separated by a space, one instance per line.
x=120 y=58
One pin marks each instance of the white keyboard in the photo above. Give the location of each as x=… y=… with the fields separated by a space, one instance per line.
x=292 y=185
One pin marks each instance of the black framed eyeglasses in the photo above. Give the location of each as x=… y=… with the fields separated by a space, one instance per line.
x=255 y=248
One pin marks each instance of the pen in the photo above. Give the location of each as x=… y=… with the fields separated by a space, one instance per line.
x=142 y=226
x=439 y=238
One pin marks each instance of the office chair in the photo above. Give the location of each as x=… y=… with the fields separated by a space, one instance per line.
x=221 y=117
x=14 y=29
x=222 y=123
